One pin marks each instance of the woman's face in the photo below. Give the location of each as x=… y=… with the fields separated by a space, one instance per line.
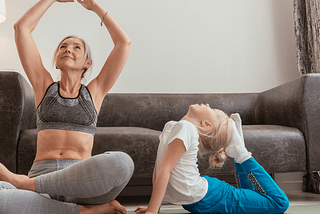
x=71 y=55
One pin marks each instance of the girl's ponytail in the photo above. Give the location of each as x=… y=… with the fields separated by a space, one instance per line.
x=218 y=159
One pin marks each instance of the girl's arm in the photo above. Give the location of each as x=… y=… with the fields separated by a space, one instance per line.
x=28 y=52
x=154 y=173
x=115 y=62
x=173 y=154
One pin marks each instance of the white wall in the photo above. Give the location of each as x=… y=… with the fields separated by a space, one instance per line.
x=180 y=46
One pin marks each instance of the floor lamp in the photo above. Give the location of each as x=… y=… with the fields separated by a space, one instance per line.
x=3 y=14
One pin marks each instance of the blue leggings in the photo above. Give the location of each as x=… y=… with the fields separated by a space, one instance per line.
x=96 y=180
x=258 y=193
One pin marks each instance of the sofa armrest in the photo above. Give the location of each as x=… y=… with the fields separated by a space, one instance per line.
x=295 y=104
x=17 y=112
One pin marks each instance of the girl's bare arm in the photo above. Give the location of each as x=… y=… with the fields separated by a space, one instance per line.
x=172 y=155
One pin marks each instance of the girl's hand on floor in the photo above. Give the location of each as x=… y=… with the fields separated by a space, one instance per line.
x=141 y=209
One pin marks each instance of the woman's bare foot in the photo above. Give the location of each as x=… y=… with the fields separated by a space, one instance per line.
x=112 y=207
x=19 y=181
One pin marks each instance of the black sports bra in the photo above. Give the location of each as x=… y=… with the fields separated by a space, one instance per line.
x=75 y=114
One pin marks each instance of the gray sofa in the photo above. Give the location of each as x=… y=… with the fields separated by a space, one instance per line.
x=281 y=126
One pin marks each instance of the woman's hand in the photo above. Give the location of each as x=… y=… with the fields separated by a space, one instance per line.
x=65 y=1
x=88 y=4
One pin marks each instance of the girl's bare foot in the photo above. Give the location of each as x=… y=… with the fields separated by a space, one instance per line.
x=19 y=181
x=112 y=207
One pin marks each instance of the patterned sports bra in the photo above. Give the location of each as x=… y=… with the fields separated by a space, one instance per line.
x=75 y=114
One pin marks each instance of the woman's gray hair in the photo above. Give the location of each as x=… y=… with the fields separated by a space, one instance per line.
x=86 y=74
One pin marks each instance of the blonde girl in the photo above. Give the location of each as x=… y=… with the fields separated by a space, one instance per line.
x=177 y=180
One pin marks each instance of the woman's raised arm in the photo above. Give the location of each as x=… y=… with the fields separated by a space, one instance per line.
x=115 y=62
x=28 y=52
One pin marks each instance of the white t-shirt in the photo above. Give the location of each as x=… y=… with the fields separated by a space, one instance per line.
x=185 y=184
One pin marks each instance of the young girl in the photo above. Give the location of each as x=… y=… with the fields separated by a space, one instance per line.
x=176 y=178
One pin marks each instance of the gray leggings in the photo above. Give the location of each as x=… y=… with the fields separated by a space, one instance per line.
x=62 y=184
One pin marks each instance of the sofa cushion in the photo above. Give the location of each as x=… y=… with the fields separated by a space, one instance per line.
x=276 y=148
x=140 y=143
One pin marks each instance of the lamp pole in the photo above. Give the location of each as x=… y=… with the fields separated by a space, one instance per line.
x=3 y=14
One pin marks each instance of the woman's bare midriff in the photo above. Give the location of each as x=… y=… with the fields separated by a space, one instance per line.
x=63 y=144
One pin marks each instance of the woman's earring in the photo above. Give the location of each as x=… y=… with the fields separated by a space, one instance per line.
x=57 y=67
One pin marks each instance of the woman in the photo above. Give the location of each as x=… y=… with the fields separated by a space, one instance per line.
x=66 y=120
x=176 y=176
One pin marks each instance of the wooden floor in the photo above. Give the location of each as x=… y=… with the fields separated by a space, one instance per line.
x=295 y=198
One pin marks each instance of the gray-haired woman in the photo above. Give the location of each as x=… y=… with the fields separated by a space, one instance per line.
x=64 y=177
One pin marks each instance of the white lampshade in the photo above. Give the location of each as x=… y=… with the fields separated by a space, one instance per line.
x=3 y=14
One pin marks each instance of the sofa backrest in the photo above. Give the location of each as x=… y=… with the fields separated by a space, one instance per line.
x=17 y=112
x=154 y=110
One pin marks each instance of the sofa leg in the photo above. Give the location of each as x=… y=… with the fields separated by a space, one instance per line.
x=311 y=182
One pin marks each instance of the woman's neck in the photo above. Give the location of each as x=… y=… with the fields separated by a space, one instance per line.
x=69 y=87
